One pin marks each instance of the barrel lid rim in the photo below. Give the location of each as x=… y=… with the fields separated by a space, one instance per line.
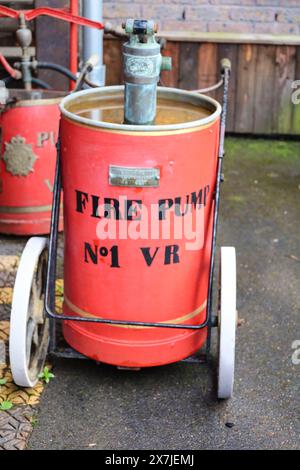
x=137 y=128
x=36 y=102
x=22 y=101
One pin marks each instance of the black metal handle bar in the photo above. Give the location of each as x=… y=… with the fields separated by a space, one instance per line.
x=226 y=69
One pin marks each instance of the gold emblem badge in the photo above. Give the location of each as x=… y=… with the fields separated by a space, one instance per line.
x=19 y=157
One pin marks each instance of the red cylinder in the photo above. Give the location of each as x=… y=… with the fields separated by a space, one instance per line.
x=149 y=277
x=29 y=127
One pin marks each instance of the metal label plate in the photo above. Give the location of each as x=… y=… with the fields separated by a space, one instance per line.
x=134 y=177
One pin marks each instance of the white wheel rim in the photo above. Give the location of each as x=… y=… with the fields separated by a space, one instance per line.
x=227 y=322
x=29 y=329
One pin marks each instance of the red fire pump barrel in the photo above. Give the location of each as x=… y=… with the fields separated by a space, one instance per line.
x=29 y=127
x=151 y=278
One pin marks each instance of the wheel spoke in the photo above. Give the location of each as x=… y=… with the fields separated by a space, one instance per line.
x=29 y=338
x=35 y=336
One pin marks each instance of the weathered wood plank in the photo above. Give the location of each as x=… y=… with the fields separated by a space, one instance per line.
x=15 y=51
x=264 y=89
x=112 y=58
x=260 y=84
x=231 y=38
x=245 y=103
x=229 y=51
x=284 y=76
x=188 y=66
x=208 y=70
x=296 y=107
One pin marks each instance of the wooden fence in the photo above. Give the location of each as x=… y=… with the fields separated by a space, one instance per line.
x=263 y=69
x=261 y=79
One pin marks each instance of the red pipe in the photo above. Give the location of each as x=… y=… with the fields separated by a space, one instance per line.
x=10 y=70
x=57 y=13
x=73 y=42
x=8 y=12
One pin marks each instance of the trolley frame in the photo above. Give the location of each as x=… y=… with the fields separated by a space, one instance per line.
x=210 y=319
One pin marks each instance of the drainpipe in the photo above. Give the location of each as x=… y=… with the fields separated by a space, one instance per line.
x=93 y=40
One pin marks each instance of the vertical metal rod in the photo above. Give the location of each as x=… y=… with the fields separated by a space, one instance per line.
x=93 y=40
x=51 y=268
x=217 y=200
x=73 y=42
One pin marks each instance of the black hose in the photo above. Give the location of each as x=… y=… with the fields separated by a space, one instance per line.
x=58 y=68
x=40 y=83
x=36 y=81
x=90 y=84
x=64 y=71
x=7 y=79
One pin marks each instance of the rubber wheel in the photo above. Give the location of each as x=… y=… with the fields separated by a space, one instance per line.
x=227 y=322
x=29 y=327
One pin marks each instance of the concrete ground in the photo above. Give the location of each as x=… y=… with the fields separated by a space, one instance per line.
x=90 y=406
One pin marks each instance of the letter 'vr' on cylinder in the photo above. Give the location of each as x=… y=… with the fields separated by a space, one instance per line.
x=143 y=63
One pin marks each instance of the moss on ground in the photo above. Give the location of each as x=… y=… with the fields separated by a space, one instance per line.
x=263 y=150
x=263 y=173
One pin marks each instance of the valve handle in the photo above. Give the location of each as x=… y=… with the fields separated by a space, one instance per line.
x=30 y=15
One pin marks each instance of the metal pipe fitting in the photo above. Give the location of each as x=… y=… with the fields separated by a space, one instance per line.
x=143 y=63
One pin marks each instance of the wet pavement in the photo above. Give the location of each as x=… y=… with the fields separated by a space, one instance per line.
x=92 y=406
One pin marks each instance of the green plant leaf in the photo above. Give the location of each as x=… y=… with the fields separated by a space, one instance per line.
x=34 y=422
x=46 y=375
x=6 y=405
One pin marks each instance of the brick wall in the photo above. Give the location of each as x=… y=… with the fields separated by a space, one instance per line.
x=238 y=16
